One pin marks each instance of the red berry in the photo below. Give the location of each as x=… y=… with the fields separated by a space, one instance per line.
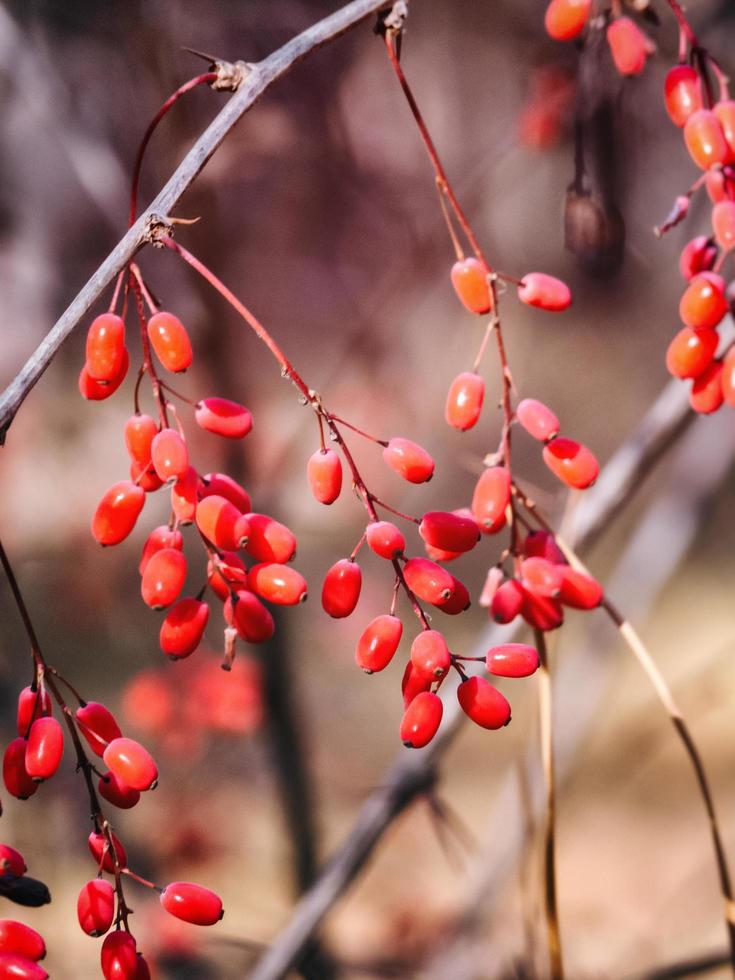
x=144 y=971
x=483 y=703
x=421 y=720
x=16 y=937
x=169 y=455
x=507 y=602
x=542 y=544
x=160 y=538
x=105 y=347
x=469 y=278
x=430 y=655
x=491 y=498
x=464 y=401
x=97 y=391
x=44 y=749
x=378 y=643
x=183 y=628
x=512 y=660
x=99 y=846
x=579 y=591
x=698 y=255
x=705 y=139
x=324 y=473
x=192 y=903
x=409 y=460
x=119 y=956
x=222 y=523
x=17 y=780
x=429 y=581
x=31 y=705
x=116 y=791
x=728 y=378
x=341 y=588
x=565 y=19
x=538 y=420
x=545 y=292
x=691 y=352
x=163 y=578
x=571 y=462
x=132 y=763
x=268 y=540
x=725 y=112
x=13 y=966
x=117 y=513
x=276 y=583
x=185 y=495
x=225 y=486
x=541 y=577
x=629 y=46
x=413 y=684
x=707 y=395
x=96 y=907
x=97 y=724
x=459 y=600
x=723 y=224
x=449 y=532
x=682 y=93
x=541 y=612
x=720 y=185
x=224 y=418
x=11 y=862
x=703 y=303
x=385 y=539
x=145 y=477
x=170 y=341
x=229 y=572
x=249 y=616
x=139 y=433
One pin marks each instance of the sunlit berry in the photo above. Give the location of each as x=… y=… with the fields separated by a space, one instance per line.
x=723 y=224
x=682 y=93
x=100 y=850
x=483 y=703
x=116 y=791
x=96 y=907
x=698 y=255
x=341 y=589
x=170 y=341
x=223 y=417
x=105 y=347
x=17 y=780
x=512 y=660
x=490 y=499
x=629 y=46
x=579 y=591
x=16 y=937
x=98 y=391
x=571 y=462
x=705 y=139
x=413 y=684
x=469 y=278
x=15 y=966
x=428 y=581
x=378 y=643
x=119 y=956
x=139 y=433
x=228 y=572
x=269 y=540
x=117 y=513
x=706 y=394
x=12 y=862
x=385 y=539
x=507 y=602
x=44 y=749
x=280 y=584
x=537 y=419
x=185 y=496
x=31 y=705
x=691 y=352
x=98 y=725
x=545 y=292
x=221 y=523
x=458 y=602
x=430 y=655
x=324 y=473
x=163 y=578
x=541 y=612
x=720 y=184
x=703 y=303
x=192 y=903
x=409 y=460
x=565 y=19
x=169 y=455
x=464 y=401
x=249 y=616
x=421 y=720
x=160 y=537
x=132 y=763
x=224 y=486
x=725 y=112
x=448 y=531
x=541 y=576
x=145 y=477
x=728 y=377
x=183 y=628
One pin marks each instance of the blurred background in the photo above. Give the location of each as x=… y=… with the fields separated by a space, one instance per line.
x=320 y=212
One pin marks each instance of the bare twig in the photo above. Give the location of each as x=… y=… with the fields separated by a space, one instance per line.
x=261 y=76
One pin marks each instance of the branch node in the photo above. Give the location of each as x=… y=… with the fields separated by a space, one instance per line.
x=156 y=227
x=393 y=20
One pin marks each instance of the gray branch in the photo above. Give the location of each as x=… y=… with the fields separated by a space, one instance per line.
x=259 y=78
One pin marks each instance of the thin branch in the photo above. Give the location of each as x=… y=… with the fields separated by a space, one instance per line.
x=259 y=78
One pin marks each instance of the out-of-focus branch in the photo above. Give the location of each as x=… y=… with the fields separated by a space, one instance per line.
x=257 y=79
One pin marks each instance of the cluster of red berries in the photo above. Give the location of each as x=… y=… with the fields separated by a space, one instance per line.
x=629 y=46
x=21 y=947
